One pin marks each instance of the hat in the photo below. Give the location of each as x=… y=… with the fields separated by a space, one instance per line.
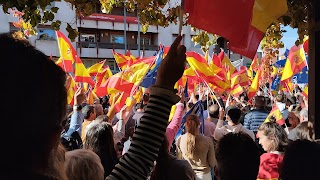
x=234 y=113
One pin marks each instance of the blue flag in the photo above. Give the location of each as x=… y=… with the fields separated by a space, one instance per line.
x=196 y=109
x=275 y=83
x=286 y=53
x=301 y=77
x=186 y=89
x=280 y=63
x=150 y=78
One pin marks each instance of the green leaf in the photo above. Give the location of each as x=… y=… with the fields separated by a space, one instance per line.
x=54 y=9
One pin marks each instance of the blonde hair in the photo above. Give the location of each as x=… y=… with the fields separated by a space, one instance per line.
x=276 y=134
x=83 y=164
x=192 y=125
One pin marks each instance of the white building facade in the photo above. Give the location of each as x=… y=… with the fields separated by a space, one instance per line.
x=100 y=34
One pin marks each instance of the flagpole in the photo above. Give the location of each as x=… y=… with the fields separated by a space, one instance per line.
x=208 y=88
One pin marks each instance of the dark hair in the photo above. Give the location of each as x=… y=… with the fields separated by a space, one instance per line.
x=145 y=97
x=30 y=77
x=260 y=101
x=139 y=106
x=232 y=150
x=87 y=111
x=99 y=139
x=301 y=161
x=234 y=113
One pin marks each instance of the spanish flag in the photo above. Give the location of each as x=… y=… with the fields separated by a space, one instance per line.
x=254 y=85
x=123 y=61
x=239 y=78
x=295 y=63
x=226 y=64
x=71 y=89
x=305 y=91
x=275 y=112
x=264 y=13
x=96 y=68
x=81 y=73
x=253 y=67
x=237 y=90
x=67 y=52
x=90 y=98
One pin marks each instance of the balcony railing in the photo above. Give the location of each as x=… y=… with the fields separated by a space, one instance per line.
x=100 y=45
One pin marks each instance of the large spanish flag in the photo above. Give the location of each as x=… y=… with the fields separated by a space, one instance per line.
x=67 y=52
x=275 y=112
x=264 y=12
x=81 y=73
x=296 y=61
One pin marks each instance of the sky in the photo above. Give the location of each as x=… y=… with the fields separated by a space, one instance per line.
x=289 y=38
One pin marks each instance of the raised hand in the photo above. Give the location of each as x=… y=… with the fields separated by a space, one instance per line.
x=172 y=66
x=79 y=96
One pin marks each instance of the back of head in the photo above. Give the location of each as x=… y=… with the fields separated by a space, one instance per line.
x=234 y=113
x=99 y=109
x=280 y=98
x=232 y=151
x=30 y=77
x=83 y=164
x=139 y=106
x=145 y=97
x=87 y=111
x=260 y=101
x=305 y=131
x=304 y=114
x=301 y=161
x=214 y=111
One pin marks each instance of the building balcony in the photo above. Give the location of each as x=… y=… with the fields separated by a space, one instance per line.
x=104 y=50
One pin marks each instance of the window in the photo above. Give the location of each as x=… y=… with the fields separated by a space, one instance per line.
x=115 y=38
x=13 y=29
x=145 y=40
x=46 y=34
x=88 y=40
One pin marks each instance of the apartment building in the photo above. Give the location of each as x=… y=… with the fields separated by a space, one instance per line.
x=100 y=34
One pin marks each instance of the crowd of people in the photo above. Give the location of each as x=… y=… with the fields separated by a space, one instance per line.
x=49 y=140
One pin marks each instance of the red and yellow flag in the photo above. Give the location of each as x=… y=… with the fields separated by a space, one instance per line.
x=305 y=91
x=67 y=52
x=253 y=67
x=100 y=79
x=71 y=89
x=254 y=85
x=237 y=90
x=96 y=68
x=90 y=97
x=295 y=63
x=240 y=78
x=226 y=64
x=81 y=73
x=275 y=112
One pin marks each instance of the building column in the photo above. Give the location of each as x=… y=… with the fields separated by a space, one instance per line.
x=314 y=64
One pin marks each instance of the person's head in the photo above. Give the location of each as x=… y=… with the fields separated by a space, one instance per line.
x=305 y=131
x=304 y=115
x=293 y=120
x=214 y=111
x=83 y=164
x=102 y=118
x=291 y=100
x=272 y=136
x=259 y=101
x=301 y=161
x=192 y=128
x=280 y=98
x=140 y=107
x=98 y=109
x=43 y=87
x=145 y=98
x=99 y=139
x=233 y=115
x=232 y=150
x=89 y=112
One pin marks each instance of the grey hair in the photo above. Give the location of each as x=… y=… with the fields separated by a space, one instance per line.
x=304 y=114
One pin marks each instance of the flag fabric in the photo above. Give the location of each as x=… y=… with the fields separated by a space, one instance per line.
x=306 y=44
x=96 y=68
x=254 y=85
x=286 y=53
x=226 y=64
x=128 y=80
x=90 y=97
x=81 y=73
x=195 y=109
x=67 y=52
x=215 y=61
x=237 y=90
x=253 y=67
x=240 y=78
x=232 y=26
x=275 y=112
x=100 y=79
x=295 y=63
x=305 y=91
x=150 y=78
x=71 y=89
x=301 y=77
x=275 y=83
x=263 y=14
x=122 y=61
x=185 y=91
x=280 y=63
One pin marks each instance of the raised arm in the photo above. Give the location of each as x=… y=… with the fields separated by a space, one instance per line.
x=148 y=137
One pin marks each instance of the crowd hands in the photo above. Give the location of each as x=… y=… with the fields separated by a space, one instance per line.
x=140 y=140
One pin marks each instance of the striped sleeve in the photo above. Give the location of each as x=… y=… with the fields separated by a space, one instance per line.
x=147 y=139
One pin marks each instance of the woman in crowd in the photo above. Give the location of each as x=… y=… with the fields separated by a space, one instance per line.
x=305 y=131
x=273 y=139
x=197 y=149
x=293 y=120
